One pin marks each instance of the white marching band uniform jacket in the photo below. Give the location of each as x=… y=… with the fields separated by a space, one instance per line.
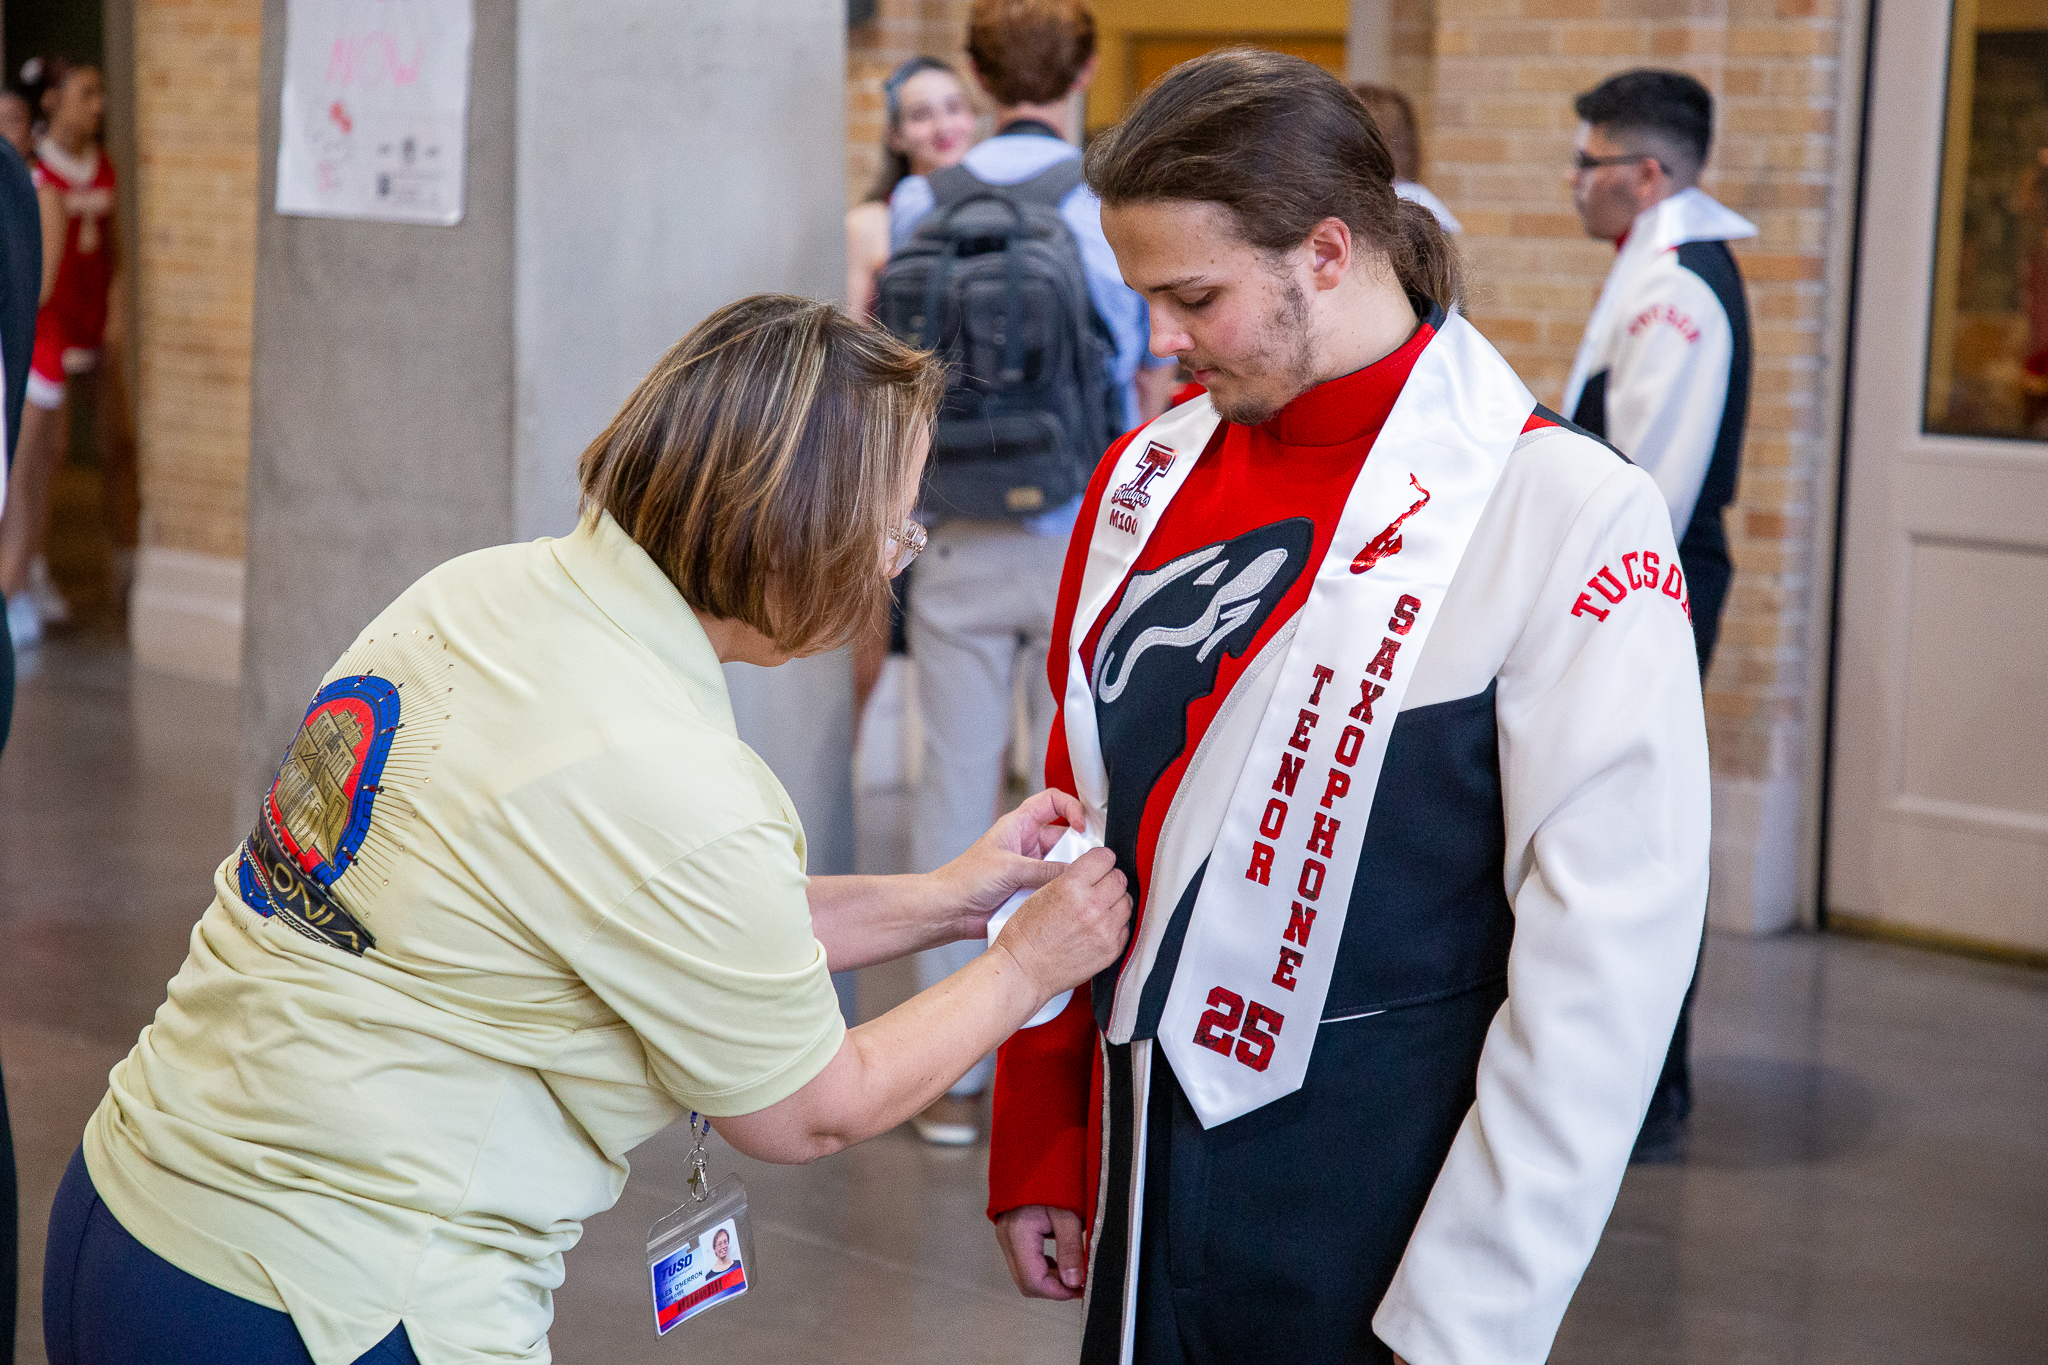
x=1653 y=370
x=1605 y=783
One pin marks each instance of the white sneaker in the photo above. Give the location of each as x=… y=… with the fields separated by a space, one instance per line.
x=42 y=590
x=24 y=622
x=950 y=1121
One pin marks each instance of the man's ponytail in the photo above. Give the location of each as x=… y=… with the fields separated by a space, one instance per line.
x=1426 y=260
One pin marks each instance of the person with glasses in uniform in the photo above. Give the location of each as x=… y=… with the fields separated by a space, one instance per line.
x=1663 y=371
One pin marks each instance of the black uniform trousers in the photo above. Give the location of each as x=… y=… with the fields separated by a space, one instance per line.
x=1703 y=555
x=1275 y=1236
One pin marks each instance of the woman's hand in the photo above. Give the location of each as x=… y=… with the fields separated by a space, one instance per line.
x=865 y=920
x=1006 y=860
x=1074 y=927
x=888 y=1069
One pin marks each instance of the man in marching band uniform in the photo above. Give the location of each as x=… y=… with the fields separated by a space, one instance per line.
x=1378 y=680
x=1663 y=370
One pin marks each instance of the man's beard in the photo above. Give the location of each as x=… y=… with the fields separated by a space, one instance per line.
x=1284 y=360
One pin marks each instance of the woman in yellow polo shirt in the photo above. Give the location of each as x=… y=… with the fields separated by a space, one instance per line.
x=519 y=898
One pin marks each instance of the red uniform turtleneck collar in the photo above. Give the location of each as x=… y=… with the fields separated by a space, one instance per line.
x=1351 y=407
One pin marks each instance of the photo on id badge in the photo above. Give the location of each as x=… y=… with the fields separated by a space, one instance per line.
x=703 y=1271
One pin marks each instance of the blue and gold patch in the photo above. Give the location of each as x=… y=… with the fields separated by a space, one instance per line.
x=327 y=834
x=317 y=814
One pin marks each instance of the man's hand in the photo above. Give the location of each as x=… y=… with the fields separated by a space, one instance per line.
x=1022 y=1233
x=1007 y=859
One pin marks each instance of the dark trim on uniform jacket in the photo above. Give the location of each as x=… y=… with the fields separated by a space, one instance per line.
x=21 y=281
x=1703 y=549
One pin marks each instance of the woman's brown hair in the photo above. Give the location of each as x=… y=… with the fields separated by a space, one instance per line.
x=761 y=463
x=1282 y=144
x=1394 y=112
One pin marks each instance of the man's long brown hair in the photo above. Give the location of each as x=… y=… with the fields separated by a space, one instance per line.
x=1282 y=144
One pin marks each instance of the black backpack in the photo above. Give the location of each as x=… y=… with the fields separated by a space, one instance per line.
x=992 y=281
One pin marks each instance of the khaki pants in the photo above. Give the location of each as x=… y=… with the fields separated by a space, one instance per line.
x=980 y=617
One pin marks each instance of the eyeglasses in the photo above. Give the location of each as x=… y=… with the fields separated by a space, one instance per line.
x=1582 y=162
x=906 y=543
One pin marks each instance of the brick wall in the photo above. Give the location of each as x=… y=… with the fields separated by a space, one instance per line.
x=196 y=96
x=1412 y=64
x=1506 y=72
x=901 y=29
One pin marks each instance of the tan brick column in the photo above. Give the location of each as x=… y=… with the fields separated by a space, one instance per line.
x=196 y=86
x=1505 y=77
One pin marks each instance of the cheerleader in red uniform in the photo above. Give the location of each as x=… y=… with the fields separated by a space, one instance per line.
x=75 y=189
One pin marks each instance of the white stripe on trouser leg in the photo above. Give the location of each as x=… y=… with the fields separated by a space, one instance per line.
x=1141 y=1107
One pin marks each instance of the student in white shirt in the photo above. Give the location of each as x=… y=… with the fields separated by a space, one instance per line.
x=980 y=605
x=1395 y=114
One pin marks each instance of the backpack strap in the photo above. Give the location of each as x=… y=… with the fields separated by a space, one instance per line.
x=952 y=184
x=1050 y=186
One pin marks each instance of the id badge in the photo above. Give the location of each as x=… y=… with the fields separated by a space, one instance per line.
x=701 y=1255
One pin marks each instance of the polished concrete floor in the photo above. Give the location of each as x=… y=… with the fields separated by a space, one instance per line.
x=1868 y=1180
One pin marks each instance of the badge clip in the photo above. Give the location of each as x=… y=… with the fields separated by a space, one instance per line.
x=702 y=1254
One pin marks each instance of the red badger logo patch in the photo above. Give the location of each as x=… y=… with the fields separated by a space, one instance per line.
x=1127 y=500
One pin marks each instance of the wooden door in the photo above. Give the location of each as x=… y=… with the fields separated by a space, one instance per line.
x=1938 y=820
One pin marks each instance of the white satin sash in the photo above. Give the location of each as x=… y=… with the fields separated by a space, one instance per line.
x=1254 y=969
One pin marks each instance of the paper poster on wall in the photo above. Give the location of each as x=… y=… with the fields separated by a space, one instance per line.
x=376 y=104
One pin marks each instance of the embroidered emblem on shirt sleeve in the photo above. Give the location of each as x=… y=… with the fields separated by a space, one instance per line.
x=1678 y=320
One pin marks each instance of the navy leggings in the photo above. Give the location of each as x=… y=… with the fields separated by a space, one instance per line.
x=110 y=1300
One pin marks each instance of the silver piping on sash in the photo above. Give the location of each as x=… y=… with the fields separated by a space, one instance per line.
x=1093 y=1282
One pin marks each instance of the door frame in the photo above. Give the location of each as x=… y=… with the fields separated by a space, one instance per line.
x=1855 y=61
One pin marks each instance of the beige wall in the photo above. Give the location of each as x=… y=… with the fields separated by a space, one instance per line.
x=196 y=113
